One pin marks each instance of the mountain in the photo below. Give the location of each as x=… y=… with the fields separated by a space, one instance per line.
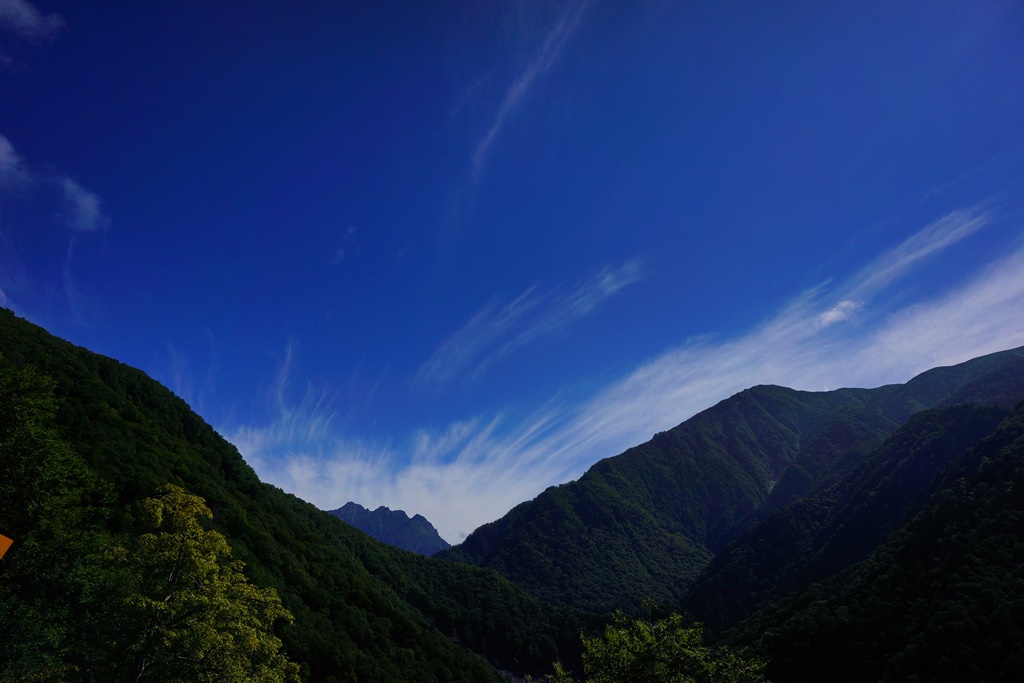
x=362 y=610
x=394 y=527
x=858 y=534
x=645 y=524
x=823 y=534
x=940 y=599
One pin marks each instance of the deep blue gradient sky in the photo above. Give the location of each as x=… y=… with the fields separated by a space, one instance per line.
x=439 y=256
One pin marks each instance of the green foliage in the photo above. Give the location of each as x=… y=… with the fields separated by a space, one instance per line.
x=644 y=524
x=192 y=615
x=55 y=510
x=64 y=604
x=363 y=611
x=661 y=651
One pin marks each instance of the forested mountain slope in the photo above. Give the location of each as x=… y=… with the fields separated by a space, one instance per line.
x=824 y=533
x=363 y=610
x=787 y=487
x=394 y=527
x=645 y=524
x=942 y=599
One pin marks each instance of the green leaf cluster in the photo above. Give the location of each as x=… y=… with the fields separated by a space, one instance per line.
x=55 y=510
x=664 y=650
x=78 y=602
x=191 y=613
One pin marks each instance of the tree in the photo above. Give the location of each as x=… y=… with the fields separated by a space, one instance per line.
x=663 y=651
x=54 y=508
x=192 y=613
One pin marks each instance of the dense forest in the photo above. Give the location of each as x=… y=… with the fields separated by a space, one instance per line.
x=942 y=599
x=113 y=437
x=859 y=534
x=645 y=524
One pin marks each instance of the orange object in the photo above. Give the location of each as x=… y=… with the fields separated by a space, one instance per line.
x=5 y=543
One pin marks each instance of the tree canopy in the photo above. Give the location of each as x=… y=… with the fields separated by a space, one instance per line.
x=661 y=651
x=191 y=612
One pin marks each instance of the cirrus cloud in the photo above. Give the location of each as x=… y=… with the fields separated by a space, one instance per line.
x=478 y=468
x=498 y=330
x=79 y=210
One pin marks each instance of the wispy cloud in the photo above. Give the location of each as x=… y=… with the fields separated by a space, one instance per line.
x=24 y=20
x=84 y=209
x=500 y=329
x=190 y=378
x=844 y=310
x=13 y=172
x=542 y=60
x=78 y=209
x=547 y=46
x=933 y=238
x=477 y=469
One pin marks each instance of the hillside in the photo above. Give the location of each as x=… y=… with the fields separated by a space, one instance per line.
x=942 y=599
x=645 y=524
x=822 y=534
x=394 y=527
x=795 y=522
x=363 y=610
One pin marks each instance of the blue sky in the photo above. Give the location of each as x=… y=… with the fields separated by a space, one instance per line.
x=440 y=256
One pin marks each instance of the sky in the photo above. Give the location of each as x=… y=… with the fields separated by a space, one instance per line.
x=440 y=256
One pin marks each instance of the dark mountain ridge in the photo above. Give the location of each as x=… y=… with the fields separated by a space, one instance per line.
x=394 y=527
x=646 y=523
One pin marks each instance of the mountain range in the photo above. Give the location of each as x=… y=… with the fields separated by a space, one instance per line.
x=645 y=524
x=856 y=534
x=394 y=527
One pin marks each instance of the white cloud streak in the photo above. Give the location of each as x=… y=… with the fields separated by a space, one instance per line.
x=476 y=470
x=13 y=173
x=81 y=211
x=23 y=19
x=84 y=208
x=541 y=62
x=933 y=238
x=499 y=330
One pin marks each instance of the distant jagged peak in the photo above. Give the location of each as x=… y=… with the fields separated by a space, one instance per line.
x=393 y=527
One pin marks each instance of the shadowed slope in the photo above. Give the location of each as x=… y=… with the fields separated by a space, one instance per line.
x=646 y=523
x=940 y=600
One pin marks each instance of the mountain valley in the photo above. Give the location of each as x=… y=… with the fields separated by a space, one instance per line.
x=788 y=522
